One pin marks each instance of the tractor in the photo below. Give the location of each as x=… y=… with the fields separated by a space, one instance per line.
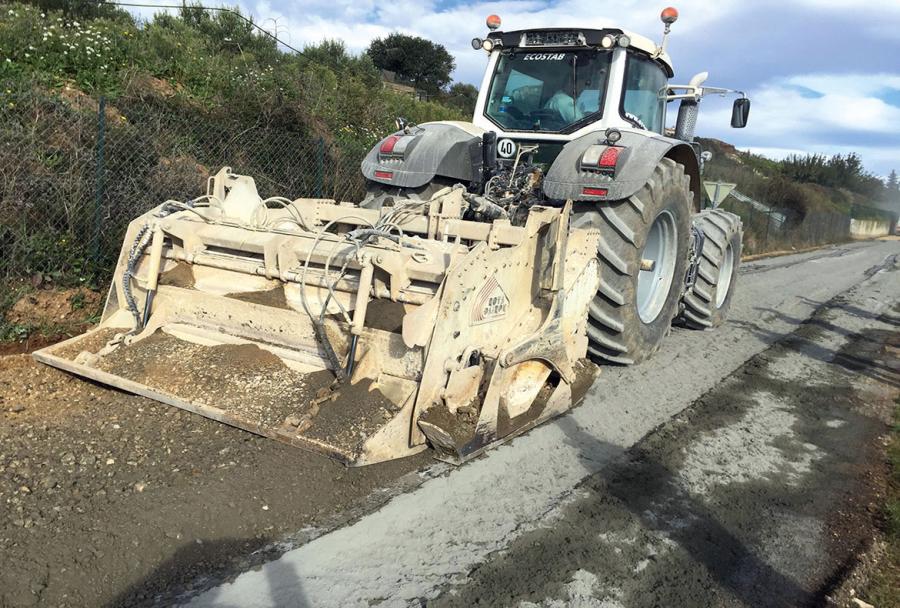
x=456 y=305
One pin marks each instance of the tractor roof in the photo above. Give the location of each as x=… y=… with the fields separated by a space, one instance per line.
x=569 y=38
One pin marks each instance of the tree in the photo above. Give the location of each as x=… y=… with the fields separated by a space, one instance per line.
x=79 y=9
x=462 y=96
x=424 y=64
x=893 y=184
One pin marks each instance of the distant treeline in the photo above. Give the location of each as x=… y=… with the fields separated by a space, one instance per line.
x=841 y=171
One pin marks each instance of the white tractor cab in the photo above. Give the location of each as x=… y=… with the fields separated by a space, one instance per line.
x=575 y=114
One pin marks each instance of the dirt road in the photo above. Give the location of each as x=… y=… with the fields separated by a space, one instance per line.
x=110 y=499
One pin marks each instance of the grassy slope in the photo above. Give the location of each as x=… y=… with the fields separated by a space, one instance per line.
x=178 y=90
x=761 y=178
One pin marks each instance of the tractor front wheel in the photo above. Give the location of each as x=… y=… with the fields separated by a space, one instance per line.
x=706 y=304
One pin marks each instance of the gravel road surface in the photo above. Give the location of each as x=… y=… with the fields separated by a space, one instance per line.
x=113 y=500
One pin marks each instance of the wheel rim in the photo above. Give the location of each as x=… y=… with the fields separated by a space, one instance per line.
x=657 y=267
x=725 y=276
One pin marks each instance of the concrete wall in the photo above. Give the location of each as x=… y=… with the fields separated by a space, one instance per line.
x=864 y=229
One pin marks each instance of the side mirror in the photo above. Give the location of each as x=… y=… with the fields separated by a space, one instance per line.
x=740 y=112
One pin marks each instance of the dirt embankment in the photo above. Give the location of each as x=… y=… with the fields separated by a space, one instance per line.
x=48 y=316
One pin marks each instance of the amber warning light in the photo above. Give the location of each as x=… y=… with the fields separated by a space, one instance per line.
x=493 y=22
x=669 y=15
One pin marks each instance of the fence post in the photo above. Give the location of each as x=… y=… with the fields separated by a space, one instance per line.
x=100 y=182
x=768 y=221
x=320 y=167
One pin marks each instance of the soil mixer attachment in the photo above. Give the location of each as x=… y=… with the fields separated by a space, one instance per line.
x=363 y=334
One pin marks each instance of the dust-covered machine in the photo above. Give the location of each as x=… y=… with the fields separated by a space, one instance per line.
x=459 y=303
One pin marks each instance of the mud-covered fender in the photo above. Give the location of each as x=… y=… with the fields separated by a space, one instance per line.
x=447 y=149
x=641 y=152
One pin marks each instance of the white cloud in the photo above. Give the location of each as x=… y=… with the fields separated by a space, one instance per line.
x=848 y=117
x=859 y=84
x=779 y=110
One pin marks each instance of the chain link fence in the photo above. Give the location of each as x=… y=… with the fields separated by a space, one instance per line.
x=75 y=170
x=773 y=229
x=768 y=229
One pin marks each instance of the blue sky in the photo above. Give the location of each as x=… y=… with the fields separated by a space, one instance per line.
x=824 y=75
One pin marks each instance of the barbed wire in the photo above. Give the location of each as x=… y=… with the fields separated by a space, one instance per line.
x=208 y=8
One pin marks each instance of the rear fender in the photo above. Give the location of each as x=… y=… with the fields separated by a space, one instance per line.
x=436 y=149
x=641 y=152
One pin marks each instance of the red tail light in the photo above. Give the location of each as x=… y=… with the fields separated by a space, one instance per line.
x=387 y=146
x=609 y=158
x=384 y=174
x=594 y=191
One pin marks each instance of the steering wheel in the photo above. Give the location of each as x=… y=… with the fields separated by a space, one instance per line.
x=553 y=117
x=514 y=112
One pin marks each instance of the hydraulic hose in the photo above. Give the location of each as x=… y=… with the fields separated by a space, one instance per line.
x=137 y=250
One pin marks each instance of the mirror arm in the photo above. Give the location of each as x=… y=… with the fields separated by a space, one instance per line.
x=699 y=92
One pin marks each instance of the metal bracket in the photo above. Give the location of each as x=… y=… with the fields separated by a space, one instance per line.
x=698 y=239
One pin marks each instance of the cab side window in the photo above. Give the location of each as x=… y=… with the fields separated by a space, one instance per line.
x=644 y=103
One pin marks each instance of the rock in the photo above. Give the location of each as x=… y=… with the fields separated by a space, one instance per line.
x=88 y=460
x=140 y=486
x=17 y=408
x=861 y=604
x=48 y=483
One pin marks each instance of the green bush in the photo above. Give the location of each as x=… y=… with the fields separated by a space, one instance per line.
x=57 y=49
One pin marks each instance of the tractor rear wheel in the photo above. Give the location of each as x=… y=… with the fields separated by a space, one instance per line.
x=643 y=250
x=707 y=302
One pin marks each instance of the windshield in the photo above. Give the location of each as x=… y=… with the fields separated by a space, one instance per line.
x=548 y=91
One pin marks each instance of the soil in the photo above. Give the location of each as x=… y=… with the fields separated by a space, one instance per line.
x=272 y=297
x=252 y=384
x=58 y=308
x=80 y=100
x=353 y=414
x=112 y=499
x=241 y=379
x=30 y=344
x=91 y=344
x=385 y=315
x=460 y=426
x=179 y=276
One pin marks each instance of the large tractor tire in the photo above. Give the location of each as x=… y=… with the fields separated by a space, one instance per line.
x=706 y=304
x=634 y=307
